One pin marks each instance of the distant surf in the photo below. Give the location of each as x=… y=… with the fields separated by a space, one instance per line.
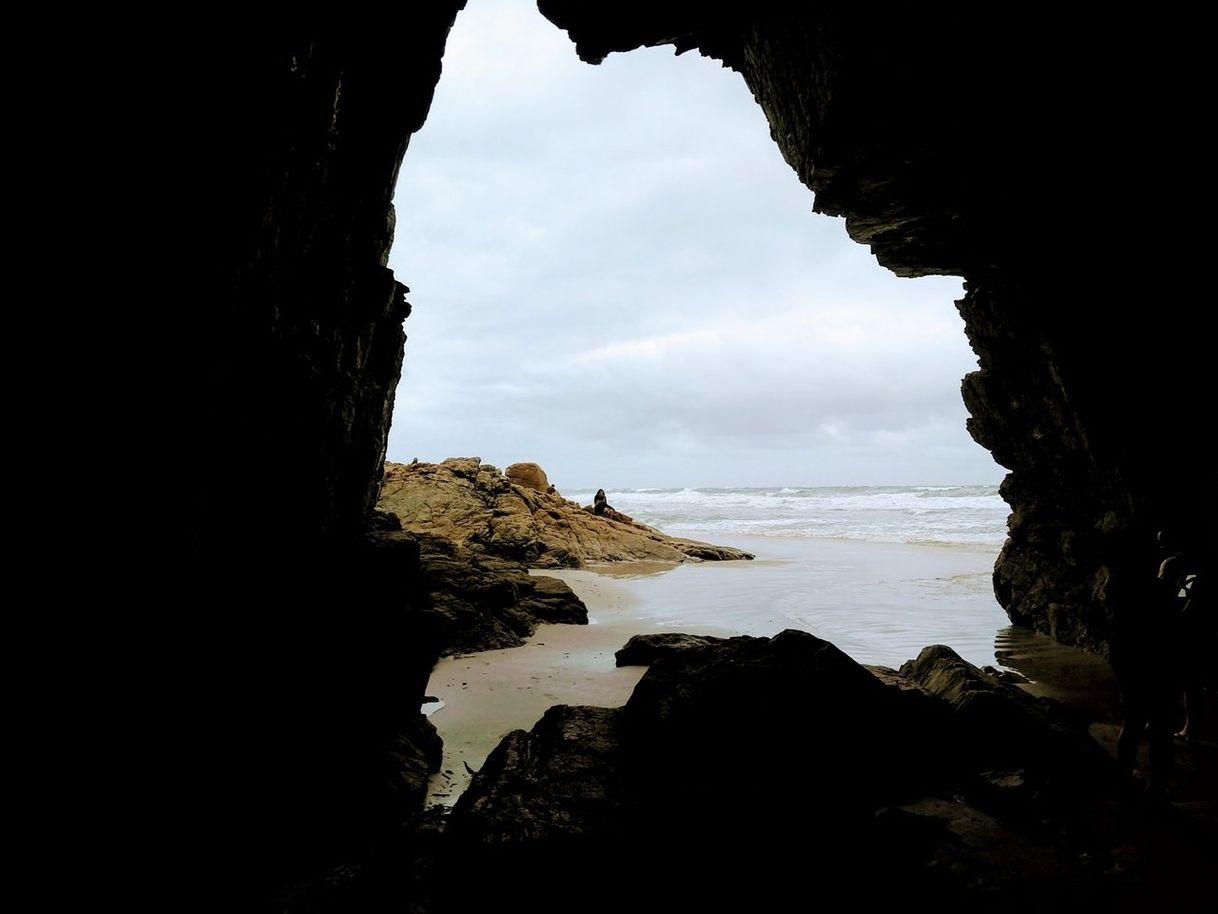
x=944 y=515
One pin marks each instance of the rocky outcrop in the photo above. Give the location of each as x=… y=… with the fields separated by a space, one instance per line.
x=1000 y=725
x=418 y=751
x=782 y=756
x=479 y=532
x=558 y=781
x=482 y=602
x=476 y=506
x=644 y=650
x=300 y=724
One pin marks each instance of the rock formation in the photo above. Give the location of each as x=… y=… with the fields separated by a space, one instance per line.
x=777 y=765
x=1045 y=160
x=478 y=532
x=303 y=655
x=480 y=602
x=644 y=650
x=528 y=475
x=473 y=504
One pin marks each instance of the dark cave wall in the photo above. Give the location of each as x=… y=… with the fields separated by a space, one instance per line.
x=995 y=149
x=977 y=157
x=306 y=349
x=308 y=650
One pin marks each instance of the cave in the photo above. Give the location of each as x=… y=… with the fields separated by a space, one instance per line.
x=994 y=149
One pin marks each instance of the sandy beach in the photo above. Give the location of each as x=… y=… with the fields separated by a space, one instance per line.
x=879 y=602
x=484 y=696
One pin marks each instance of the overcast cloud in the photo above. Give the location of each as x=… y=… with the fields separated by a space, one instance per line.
x=615 y=274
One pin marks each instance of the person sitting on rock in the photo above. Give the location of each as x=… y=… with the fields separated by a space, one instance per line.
x=602 y=508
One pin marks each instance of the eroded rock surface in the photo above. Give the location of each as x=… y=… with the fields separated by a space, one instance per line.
x=476 y=506
x=528 y=475
x=643 y=650
x=482 y=602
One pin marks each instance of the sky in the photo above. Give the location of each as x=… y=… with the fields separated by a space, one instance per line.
x=616 y=275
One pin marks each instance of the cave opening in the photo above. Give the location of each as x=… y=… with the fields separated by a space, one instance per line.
x=311 y=747
x=616 y=274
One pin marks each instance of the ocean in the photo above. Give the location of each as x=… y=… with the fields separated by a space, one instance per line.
x=879 y=571
x=939 y=515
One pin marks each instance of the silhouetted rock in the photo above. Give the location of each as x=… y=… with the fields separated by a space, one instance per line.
x=1000 y=724
x=643 y=650
x=683 y=774
x=472 y=503
x=556 y=781
x=783 y=756
x=480 y=602
x=418 y=750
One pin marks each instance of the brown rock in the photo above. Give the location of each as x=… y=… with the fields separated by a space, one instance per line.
x=479 y=602
x=474 y=505
x=529 y=475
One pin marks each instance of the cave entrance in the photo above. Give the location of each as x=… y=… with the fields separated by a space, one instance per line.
x=616 y=275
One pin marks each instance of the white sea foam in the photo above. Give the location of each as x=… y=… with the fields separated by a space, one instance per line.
x=950 y=515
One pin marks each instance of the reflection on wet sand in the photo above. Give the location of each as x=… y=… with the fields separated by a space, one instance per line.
x=631 y=569
x=1074 y=677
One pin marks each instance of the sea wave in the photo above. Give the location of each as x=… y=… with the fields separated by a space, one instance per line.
x=951 y=515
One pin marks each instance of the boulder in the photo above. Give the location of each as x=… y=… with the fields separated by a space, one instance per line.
x=999 y=725
x=481 y=602
x=735 y=757
x=643 y=650
x=528 y=475
x=553 y=782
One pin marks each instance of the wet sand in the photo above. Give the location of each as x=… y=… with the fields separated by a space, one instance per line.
x=879 y=602
x=486 y=695
x=1074 y=677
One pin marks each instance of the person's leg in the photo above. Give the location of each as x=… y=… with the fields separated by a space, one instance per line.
x=1162 y=723
x=1137 y=715
x=1191 y=703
